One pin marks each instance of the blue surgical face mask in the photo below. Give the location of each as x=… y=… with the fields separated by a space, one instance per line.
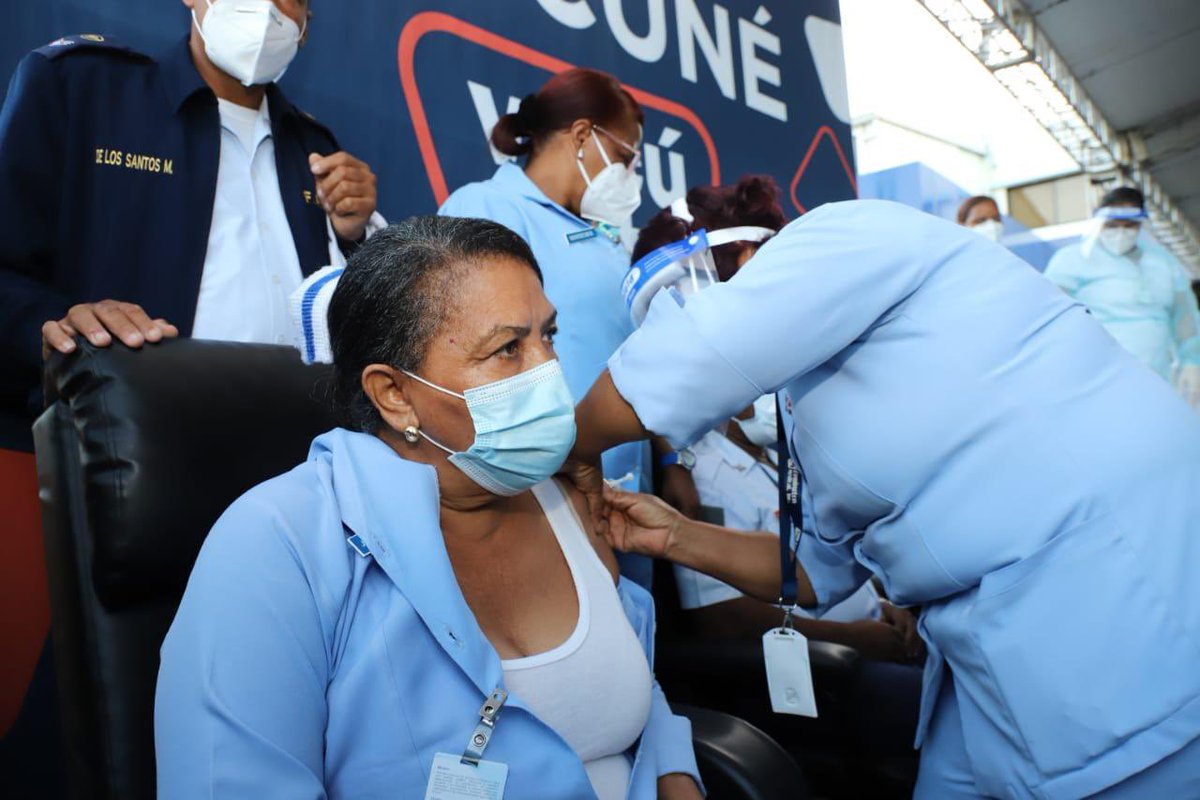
x=524 y=429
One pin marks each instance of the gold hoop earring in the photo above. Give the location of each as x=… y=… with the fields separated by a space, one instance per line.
x=412 y=434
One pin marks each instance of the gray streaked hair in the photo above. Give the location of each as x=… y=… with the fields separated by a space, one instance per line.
x=396 y=294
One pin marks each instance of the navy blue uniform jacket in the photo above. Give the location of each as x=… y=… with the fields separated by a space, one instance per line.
x=108 y=173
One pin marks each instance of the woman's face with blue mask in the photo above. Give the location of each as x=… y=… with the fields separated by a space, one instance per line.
x=500 y=324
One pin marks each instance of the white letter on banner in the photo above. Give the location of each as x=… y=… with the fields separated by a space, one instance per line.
x=575 y=14
x=662 y=195
x=754 y=70
x=648 y=48
x=717 y=49
x=485 y=107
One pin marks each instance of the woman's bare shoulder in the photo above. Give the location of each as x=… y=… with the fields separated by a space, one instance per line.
x=603 y=549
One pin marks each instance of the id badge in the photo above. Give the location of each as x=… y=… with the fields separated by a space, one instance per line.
x=450 y=779
x=789 y=675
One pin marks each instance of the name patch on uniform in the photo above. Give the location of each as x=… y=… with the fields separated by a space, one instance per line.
x=574 y=237
x=139 y=162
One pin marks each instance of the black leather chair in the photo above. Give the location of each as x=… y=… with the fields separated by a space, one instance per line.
x=737 y=760
x=138 y=455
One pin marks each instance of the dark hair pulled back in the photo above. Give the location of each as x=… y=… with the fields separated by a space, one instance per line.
x=574 y=94
x=753 y=200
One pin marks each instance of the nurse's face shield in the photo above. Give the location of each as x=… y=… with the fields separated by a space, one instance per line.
x=684 y=267
x=1111 y=218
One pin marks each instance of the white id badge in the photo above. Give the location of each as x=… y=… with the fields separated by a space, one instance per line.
x=450 y=779
x=789 y=676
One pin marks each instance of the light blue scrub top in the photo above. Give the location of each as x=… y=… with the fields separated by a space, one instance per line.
x=583 y=277
x=297 y=668
x=972 y=436
x=1144 y=299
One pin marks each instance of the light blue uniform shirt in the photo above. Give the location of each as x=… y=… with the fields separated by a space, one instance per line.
x=297 y=668
x=583 y=270
x=972 y=436
x=1144 y=299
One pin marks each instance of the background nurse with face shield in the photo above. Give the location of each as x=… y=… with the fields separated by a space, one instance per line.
x=1137 y=289
x=963 y=431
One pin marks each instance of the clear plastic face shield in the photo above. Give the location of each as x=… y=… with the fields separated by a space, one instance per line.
x=684 y=267
x=1115 y=229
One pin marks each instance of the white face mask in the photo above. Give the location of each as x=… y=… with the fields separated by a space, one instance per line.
x=990 y=229
x=251 y=40
x=1118 y=241
x=762 y=428
x=613 y=195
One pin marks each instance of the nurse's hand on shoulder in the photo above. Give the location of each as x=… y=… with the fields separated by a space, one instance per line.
x=640 y=523
x=589 y=480
x=346 y=189
x=100 y=322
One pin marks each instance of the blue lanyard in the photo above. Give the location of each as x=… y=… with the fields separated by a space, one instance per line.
x=791 y=514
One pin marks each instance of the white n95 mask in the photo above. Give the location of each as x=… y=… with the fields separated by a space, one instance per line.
x=1118 y=241
x=989 y=229
x=614 y=194
x=524 y=429
x=684 y=267
x=762 y=428
x=251 y=40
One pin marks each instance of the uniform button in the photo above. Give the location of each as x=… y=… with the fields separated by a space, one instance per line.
x=275 y=279
x=279 y=340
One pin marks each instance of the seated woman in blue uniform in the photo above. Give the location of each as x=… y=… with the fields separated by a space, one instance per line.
x=352 y=627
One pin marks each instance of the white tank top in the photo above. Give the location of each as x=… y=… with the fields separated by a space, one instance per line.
x=594 y=688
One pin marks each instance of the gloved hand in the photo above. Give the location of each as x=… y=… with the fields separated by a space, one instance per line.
x=1188 y=384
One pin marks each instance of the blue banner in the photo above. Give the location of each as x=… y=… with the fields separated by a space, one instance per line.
x=413 y=87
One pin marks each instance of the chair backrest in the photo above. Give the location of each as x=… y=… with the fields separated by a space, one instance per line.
x=738 y=761
x=137 y=457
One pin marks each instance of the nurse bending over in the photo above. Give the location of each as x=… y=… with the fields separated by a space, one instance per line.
x=974 y=438
x=419 y=603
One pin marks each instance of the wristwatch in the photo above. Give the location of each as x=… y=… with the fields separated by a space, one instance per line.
x=684 y=457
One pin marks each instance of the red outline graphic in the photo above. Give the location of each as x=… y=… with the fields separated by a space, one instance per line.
x=824 y=130
x=430 y=21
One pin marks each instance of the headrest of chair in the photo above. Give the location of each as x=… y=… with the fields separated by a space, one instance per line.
x=168 y=437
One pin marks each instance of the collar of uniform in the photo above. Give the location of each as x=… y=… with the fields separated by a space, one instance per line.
x=510 y=176
x=278 y=106
x=181 y=80
x=393 y=505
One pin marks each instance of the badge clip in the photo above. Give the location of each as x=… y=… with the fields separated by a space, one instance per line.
x=489 y=712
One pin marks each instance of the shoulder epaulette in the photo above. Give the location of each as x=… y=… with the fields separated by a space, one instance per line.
x=87 y=42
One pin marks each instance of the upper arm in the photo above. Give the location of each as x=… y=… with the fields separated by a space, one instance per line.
x=583 y=515
x=1062 y=269
x=240 y=703
x=32 y=130
x=809 y=293
x=32 y=127
x=1185 y=315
